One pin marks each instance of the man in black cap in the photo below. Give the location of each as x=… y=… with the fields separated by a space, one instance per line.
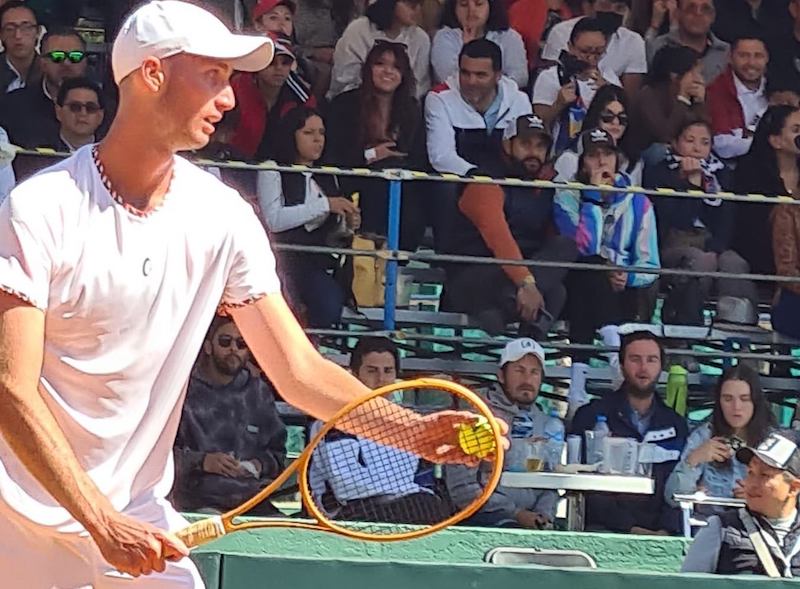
x=764 y=537
x=509 y=223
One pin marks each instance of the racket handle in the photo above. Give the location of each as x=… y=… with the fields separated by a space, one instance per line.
x=202 y=532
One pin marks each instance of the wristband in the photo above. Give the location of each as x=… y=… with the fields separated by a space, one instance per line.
x=529 y=280
x=685 y=100
x=370 y=154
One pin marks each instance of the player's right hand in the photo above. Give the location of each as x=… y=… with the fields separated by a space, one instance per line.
x=136 y=548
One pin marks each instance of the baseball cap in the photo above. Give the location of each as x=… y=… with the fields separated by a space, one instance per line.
x=526 y=126
x=778 y=450
x=264 y=6
x=595 y=138
x=163 y=28
x=518 y=348
x=283 y=46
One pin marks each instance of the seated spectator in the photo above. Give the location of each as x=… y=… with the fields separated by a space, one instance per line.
x=736 y=18
x=465 y=120
x=785 y=221
x=379 y=125
x=637 y=411
x=696 y=234
x=274 y=16
x=28 y=114
x=264 y=98
x=737 y=98
x=231 y=440
x=783 y=91
x=694 y=20
x=674 y=92
x=784 y=48
x=615 y=228
x=653 y=18
x=509 y=222
x=7 y=177
x=770 y=168
x=625 y=53
x=609 y=112
x=741 y=415
x=533 y=20
x=307 y=209
x=512 y=399
x=726 y=546
x=563 y=93
x=317 y=27
x=19 y=63
x=386 y=20
x=375 y=362
x=465 y=20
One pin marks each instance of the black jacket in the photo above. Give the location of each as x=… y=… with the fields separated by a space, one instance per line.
x=29 y=117
x=7 y=75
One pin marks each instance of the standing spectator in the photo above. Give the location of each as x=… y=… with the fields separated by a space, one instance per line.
x=609 y=111
x=737 y=98
x=769 y=168
x=19 y=63
x=563 y=93
x=741 y=415
x=694 y=18
x=275 y=16
x=465 y=20
x=231 y=440
x=616 y=228
x=387 y=20
x=264 y=98
x=636 y=411
x=306 y=209
x=379 y=125
x=512 y=399
x=509 y=223
x=533 y=20
x=465 y=121
x=696 y=234
x=674 y=92
x=28 y=114
x=625 y=53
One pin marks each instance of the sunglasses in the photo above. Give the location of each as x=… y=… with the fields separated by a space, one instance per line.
x=91 y=108
x=226 y=341
x=608 y=117
x=62 y=56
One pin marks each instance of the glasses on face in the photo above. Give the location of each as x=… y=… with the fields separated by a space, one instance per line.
x=608 y=117
x=25 y=28
x=62 y=56
x=91 y=108
x=226 y=341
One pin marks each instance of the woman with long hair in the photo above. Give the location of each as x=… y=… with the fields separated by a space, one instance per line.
x=466 y=20
x=385 y=20
x=609 y=111
x=306 y=209
x=741 y=416
x=379 y=125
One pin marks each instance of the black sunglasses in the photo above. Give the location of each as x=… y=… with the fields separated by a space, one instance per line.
x=62 y=56
x=608 y=117
x=90 y=107
x=226 y=341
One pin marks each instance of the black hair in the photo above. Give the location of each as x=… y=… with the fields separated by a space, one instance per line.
x=785 y=83
x=381 y=13
x=17 y=4
x=62 y=32
x=586 y=25
x=690 y=121
x=672 y=59
x=639 y=336
x=70 y=84
x=370 y=345
x=751 y=36
x=759 y=425
x=497 y=21
x=288 y=125
x=483 y=49
x=771 y=124
x=218 y=322
x=605 y=95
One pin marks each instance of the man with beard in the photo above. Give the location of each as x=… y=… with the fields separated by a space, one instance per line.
x=636 y=411
x=231 y=440
x=509 y=223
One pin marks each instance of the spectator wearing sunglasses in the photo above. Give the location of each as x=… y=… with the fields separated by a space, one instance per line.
x=80 y=109
x=231 y=440
x=19 y=28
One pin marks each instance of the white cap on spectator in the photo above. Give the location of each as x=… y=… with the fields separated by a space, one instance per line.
x=519 y=348
x=164 y=28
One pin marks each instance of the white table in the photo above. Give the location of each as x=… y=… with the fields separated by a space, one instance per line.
x=575 y=485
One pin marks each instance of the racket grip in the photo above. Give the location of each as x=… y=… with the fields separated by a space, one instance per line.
x=202 y=532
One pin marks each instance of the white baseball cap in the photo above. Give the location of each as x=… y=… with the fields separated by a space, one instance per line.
x=518 y=348
x=163 y=28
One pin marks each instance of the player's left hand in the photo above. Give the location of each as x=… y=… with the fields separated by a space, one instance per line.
x=438 y=440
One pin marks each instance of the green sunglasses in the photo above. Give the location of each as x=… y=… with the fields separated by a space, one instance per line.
x=62 y=56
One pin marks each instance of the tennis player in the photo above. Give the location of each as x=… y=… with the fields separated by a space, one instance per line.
x=112 y=265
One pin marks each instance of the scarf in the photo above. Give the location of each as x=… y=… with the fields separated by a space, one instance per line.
x=708 y=167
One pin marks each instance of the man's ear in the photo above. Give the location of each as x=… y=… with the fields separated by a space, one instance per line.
x=507 y=147
x=152 y=72
x=501 y=377
x=207 y=348
x=795 y=486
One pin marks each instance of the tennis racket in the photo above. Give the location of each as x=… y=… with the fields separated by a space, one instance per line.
x=360 y=476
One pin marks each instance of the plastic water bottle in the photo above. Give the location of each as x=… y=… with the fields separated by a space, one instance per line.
x=517 y=455
x=554 y=434
x=601 y=432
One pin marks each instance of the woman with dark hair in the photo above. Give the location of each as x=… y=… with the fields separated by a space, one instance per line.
x=379 y=125
x=609 y=111
x=385 y=20
x=306 y=209
x=741 y=416
x=465 y=20
x=674 y=91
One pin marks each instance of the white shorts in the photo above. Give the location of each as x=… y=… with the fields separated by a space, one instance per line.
x=32 y=557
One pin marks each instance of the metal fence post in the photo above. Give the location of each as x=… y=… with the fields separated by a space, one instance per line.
x=392 y=244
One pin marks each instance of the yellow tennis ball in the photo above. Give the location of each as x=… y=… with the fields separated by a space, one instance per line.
x=476 y=439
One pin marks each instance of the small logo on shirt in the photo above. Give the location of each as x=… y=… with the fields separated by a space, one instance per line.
x=147 y=266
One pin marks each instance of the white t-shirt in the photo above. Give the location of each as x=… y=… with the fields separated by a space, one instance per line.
x=128 y=300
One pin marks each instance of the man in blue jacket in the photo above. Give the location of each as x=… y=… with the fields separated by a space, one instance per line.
x=636 y=411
